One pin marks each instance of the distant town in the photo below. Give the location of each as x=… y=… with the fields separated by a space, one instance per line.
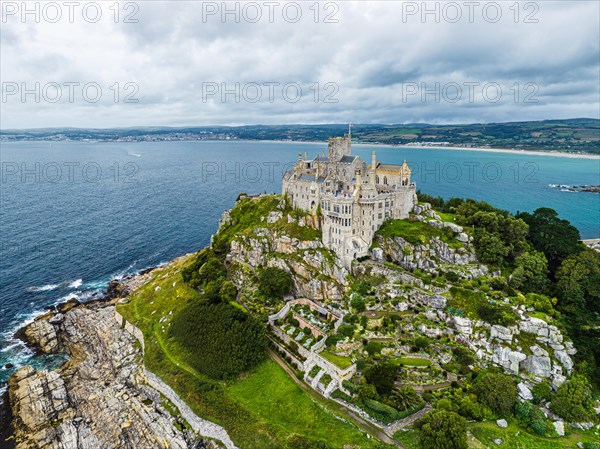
x=578 y=136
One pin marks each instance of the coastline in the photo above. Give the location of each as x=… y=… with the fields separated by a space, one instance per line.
x=433 y=147
x=354 y=143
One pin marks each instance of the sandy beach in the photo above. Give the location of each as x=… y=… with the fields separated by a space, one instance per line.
x=507 y=150
x=423 y=147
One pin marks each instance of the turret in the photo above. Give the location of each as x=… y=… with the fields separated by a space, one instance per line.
x=373 y=168
x=358 y=185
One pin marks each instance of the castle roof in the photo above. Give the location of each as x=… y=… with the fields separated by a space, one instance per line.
x=304 y=177
x=347 y=159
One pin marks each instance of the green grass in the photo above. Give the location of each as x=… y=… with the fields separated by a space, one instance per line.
x=416 y=232
x=515 y=437
x=273 y=398
x=409 y=438
x=261 y=409
x=413 y=361
x=447 y=216
x=247 y=215
x=340 y=361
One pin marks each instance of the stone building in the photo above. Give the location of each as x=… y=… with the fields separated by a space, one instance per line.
x=353 y=198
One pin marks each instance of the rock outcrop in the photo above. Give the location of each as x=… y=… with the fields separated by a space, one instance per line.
x=97 y=399
x=316 y=271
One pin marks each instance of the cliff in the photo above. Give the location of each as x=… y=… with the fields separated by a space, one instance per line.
x=99 y=398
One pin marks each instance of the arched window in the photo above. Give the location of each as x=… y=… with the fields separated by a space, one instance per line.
x=385 y=180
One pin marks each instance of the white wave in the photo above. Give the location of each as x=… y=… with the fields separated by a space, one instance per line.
x=68 y=297
x=43 y=288
x=76 y=283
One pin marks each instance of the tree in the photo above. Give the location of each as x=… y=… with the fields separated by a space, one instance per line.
x=531 y=274
x=573 y=400
x=420 y=342
x=489 y=248
x=497 y=392
x=358 y=304
x=368 y=391
x=228 y=291
x=441 y=429
x=405 y=398
x=382 y=375
x=274 y=282
x=578 y=281
x=373 y=347
x=555 y=237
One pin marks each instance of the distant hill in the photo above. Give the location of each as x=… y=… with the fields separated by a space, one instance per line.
x=573 y=135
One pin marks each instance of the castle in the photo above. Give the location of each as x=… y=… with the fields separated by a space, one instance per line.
x=352 y=198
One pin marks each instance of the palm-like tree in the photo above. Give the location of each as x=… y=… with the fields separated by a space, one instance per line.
x=405 y=398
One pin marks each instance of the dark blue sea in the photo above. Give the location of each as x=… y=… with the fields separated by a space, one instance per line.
x=74 y=215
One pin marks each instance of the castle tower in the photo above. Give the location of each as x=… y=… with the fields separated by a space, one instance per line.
x=358 y=185
x=338 y=147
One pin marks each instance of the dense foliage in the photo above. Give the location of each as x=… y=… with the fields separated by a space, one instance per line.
x=443 y=429
x=382 y=376
x=573 y=400
x=220 y=340
x=497 y=392
x=274 y=282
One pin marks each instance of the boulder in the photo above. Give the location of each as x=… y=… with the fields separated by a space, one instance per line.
x=564 y=360
x=538 y=365
x=462 y=237
x=502 y=423
x=462 y=325
x=378 y=254
x=501 y=333
x=559 y=427
x=524 y=392
x=437 y=301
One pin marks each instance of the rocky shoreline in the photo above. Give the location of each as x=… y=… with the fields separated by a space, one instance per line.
x=99 y=397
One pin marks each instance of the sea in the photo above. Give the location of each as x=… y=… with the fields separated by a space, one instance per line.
x=74 y=215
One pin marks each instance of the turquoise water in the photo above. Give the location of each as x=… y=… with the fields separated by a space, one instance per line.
x=74 y=215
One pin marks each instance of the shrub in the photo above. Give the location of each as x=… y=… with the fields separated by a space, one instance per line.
x=452 y=276
x=220 y=340
x=497 y=283
x=373 y=347
x=494 y=314
x=228 y=291
x=274 y=282
x=498 y=392
x=541 y=392
x=531 y=416
x=421 y=342
x=573 y=400
x=441 y=429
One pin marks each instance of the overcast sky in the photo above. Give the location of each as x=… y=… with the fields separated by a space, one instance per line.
x=184 y=63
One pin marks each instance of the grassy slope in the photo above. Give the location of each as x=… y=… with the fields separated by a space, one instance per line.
x=341 y=361
x=415 y=232
x=259 y=410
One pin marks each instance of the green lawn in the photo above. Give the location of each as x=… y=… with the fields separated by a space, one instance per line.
x=342 y=362
x=413 y=361
x=409 y=438
x=261 y=409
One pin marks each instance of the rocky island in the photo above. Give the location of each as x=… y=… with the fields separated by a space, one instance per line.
x=456 y=323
